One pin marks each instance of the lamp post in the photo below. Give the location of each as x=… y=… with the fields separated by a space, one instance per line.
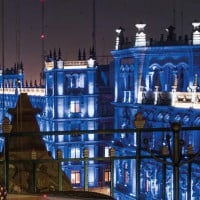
x=59 y=157
x=86 y=156
x=138 y=123
x=112 y=154
x=6 y=128
x=34 y=158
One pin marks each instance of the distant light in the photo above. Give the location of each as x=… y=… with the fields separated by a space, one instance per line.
x=42 y=36
x=44 y=196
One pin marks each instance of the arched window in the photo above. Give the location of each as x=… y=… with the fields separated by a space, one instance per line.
x=156 y=79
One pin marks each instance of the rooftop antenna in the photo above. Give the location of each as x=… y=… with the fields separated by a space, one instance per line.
x=174 y=13
x=94 y=27
x=42 y=37
x=18 y=57
x=182 y=18
x=2 y=53
x=182 y=22
x=18 y=51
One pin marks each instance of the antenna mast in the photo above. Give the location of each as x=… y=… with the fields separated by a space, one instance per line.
x=174 y=13
x=2 y=53
x=42 y=37
x=94 y=28
x=18 y=52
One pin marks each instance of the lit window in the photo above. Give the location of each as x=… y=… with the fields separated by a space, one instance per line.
x=107 y=151
x=75 y=106
x=75 y=177
x=107 y=175
x=75 y=152
x=126 y=174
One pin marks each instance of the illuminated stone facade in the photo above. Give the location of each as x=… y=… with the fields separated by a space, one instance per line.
x=161 y=81
x=156 y=78
x=76 y=96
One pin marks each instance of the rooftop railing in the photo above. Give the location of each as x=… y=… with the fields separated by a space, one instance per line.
x=137 y=163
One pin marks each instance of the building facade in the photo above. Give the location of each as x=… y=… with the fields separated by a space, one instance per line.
x=156 y=78
x=76 y=96
x=159 y=79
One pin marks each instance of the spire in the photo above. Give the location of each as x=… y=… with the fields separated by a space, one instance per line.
x=31 y=83
x=92 y=53
x=119 y=42
x=22 y=67
x=50 y=54
x=79 y=54
x=84 y=54
x=59 y=54
x=54 y=54
x=35 y=83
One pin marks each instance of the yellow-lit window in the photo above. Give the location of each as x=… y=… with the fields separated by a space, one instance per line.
x=75 y=106
x=75 y=177
x=107 y=175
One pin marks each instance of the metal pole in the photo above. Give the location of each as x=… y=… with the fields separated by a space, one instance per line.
x=94 y=28
x=86 y=155
x=138 y=122
x=138 y=163
x=112 y=154
x=6 y=128
x=6 y=149
x=189 y=180
x=164 y=181
x=59 y=157
x=3 y=53
x=34 y=157
x=176 y=129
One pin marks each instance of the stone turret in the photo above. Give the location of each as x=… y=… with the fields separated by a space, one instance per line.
x=196 y=33
x=140 y=40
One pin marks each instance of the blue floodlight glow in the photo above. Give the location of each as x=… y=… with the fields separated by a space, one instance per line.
x=91 y=177
x=159 y=81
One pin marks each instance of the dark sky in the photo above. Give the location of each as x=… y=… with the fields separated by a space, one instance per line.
x=68 y=25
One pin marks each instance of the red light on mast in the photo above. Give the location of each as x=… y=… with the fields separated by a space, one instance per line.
x=42 y=36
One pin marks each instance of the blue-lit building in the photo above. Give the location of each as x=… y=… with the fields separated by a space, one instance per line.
x=161 y=73
x=156 y=78
x=159 y=79
x=76 y=96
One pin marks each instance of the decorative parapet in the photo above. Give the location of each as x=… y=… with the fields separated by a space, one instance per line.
x=29 y=91
x=187 y=99
x=196 y=33
x=175 y=99
x=140 y=40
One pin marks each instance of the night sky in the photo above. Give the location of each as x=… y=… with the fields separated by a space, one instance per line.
x=68 y=25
